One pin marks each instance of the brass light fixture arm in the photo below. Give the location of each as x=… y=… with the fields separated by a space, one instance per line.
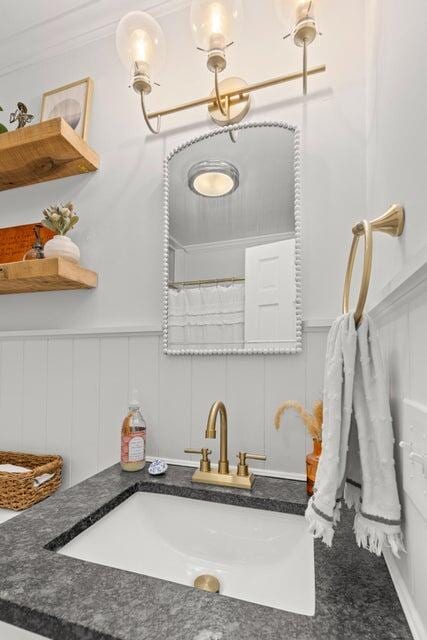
x=224 y=110
x=233 y=136
x=147 y=117
x=237 y=95
x=391 y=223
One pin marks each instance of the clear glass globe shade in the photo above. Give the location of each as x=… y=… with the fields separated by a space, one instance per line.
x=139 y=38
x=214 y=22
x=290 y=12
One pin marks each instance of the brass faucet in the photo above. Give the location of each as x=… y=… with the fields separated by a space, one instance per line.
x=240 y=477
x=219 y=407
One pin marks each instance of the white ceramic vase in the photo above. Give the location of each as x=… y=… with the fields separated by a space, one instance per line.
x=62 y=247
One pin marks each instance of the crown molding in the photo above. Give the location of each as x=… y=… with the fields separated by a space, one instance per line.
x=72 y=29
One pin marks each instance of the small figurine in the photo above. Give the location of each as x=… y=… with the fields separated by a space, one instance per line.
x=21 y=116
x=36 y=252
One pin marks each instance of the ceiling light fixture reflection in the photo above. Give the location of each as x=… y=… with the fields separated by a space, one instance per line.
x=213 y=179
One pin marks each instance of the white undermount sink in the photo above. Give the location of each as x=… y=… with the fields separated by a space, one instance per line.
x=259 y=556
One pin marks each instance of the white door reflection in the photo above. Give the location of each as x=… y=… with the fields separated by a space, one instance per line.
x=269 y=292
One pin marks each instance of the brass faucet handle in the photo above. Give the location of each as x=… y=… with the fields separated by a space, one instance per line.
x=242 y=467
x=202 y=452
x=255 y=456
x=205 y=464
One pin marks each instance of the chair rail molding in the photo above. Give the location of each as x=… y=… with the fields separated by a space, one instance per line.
x=316 y=325
x=402 y=286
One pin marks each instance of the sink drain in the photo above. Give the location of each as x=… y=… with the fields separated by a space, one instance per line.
x=207 y=583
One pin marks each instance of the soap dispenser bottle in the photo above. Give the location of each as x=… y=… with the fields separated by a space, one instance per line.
x=133 y=437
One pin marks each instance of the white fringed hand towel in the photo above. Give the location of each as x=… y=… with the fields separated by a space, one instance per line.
x=357 y=460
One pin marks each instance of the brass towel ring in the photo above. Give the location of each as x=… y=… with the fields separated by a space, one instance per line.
x=392 y=223
x=366 y=275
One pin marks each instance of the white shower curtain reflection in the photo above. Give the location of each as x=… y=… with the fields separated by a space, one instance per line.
x=207 y=317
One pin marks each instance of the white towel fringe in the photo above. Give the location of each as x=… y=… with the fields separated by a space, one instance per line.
x=319 y=527
x=352 y=496
x=374 y=536
x=337 y=512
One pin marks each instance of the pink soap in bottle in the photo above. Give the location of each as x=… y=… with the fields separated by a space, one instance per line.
x=133 y=437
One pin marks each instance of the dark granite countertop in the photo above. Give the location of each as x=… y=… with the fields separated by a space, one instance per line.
x=68 y=599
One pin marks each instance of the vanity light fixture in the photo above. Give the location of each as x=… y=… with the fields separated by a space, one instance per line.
x=141 y=47
x=304 y=30
x=213 y=178
x=214 y=24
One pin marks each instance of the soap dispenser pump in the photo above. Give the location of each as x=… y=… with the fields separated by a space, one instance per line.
x=133 y=437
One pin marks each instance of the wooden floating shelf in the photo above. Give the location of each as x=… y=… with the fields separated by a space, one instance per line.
x=49 y=274
x=42 y=152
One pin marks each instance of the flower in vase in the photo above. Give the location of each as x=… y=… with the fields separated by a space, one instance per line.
x=60 y=218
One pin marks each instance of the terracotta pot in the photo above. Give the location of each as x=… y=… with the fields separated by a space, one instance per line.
x=62 y=247
x=312 y=460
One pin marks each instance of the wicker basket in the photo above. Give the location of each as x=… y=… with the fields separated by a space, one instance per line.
x=17 y=490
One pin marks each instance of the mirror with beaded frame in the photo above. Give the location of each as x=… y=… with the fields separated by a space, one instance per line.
x=232 y=242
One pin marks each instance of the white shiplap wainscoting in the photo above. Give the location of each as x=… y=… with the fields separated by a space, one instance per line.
x=401 y=317
x=67 y=393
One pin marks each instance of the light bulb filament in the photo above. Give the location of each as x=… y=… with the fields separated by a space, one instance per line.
x=140 y=46
x=217 y=26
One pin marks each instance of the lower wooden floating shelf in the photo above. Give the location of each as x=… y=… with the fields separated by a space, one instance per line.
x=50 y=274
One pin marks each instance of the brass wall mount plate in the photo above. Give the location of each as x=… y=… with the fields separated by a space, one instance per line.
x=238 y=106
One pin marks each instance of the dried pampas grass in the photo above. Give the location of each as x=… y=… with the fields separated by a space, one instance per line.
x=313 y=422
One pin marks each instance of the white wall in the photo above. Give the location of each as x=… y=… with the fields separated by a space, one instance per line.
x=121 y=205
x=68 y=394
x=396 y=131
x=396 y=162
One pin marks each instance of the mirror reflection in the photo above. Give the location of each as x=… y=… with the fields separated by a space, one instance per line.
x=232 y=243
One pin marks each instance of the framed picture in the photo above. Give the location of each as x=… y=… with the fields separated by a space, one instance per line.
x=71 y=102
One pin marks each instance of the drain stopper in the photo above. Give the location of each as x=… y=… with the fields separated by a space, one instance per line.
x=207 y=583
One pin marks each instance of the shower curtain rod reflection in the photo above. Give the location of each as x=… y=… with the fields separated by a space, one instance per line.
x=198 y=283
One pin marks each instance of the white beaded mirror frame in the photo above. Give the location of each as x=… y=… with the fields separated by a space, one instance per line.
x=296 y=346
